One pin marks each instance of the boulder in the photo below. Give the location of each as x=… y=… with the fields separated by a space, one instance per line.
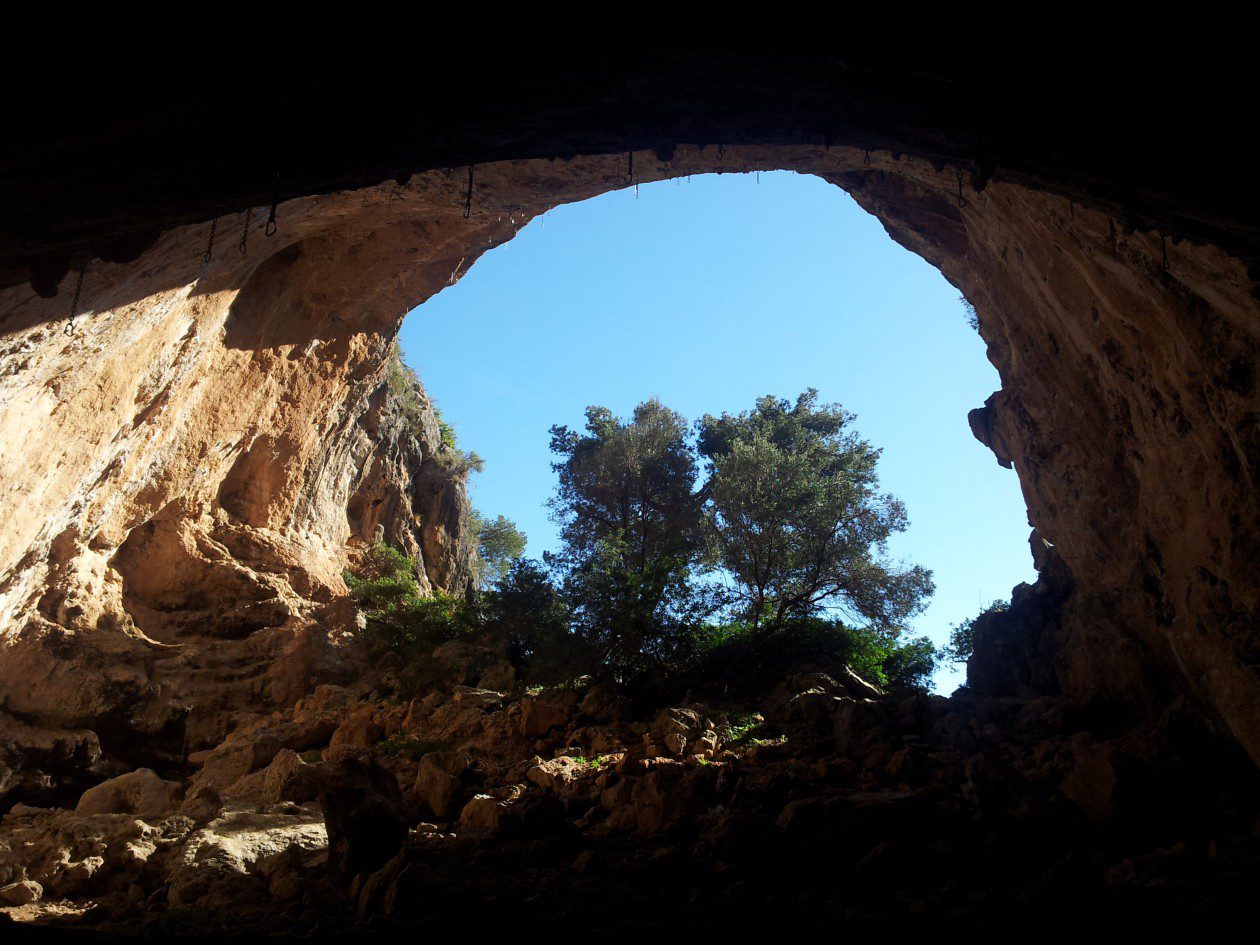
x=539 y=716
x=482 y=816
x=564 y=776
x=1091 y=783
x=483 y=698
x=439 y=781
x=141 y=792
x=603 y=703
x=231 y=858
x=364 y=815
x=21 y=893
x=499 y=676
x=858 y=687
x=677 y=728
x=361 y=730
x=287 y=778
x=68 y=855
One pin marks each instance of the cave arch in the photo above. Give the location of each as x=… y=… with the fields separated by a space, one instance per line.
x=1113 y=346
x=707 y=292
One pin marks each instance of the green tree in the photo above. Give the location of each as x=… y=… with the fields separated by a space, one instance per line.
x=525 y=609
x=879 y=656
x=797 y=520
x=499 y=543
x=399 y=616
x=962 y=636
x=909 y=663
x=630 y=522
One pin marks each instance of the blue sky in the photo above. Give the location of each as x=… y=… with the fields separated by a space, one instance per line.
x=708 y=294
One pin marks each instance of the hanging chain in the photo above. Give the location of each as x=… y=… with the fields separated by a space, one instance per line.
x=214 y=225
x=867 y=160
x=272 y=226
x=468 y=197
x=962 y=201
x=249 y=212
x=74 y=303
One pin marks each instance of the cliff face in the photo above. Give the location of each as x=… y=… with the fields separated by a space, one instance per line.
x=186 y=477
x=409 y=486
x=195 y=459
x=1129 y=409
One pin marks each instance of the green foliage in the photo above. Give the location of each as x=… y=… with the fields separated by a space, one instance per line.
x=969 y=311
x=633 y=481
x=743 y=729
x=797 y=520
x=399 y=616
x=744 y=661
x=630 y=521
x=405 y=388
x=909 y=664
x=384 y=586
x=633 y=620
x=446 y=431
x=459 y=463
x=525 y=608
x=962 y=635
x=790 y=518
x=739 y=580
x=499 y=543
x=408 y=746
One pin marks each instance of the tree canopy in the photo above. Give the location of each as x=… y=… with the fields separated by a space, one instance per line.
x=630 y=522
x=793 y=507
x=684 y=550
x=499 y=543
x=787 y=524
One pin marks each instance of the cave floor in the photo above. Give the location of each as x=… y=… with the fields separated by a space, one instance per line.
x=821 y=804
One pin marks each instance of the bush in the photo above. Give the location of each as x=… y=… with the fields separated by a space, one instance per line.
x=909 y=664
x=399 y=617
x=743 y=661
x=962 y=635
x=969 y=312
x=524 y=608
x=405 y=389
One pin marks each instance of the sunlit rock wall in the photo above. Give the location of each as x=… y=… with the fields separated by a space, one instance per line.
x=194 y=460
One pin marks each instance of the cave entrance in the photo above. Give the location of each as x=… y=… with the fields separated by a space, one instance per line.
x=708 y=292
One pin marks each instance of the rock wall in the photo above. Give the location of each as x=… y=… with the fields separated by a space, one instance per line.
x=186 y=475
x=194 y=457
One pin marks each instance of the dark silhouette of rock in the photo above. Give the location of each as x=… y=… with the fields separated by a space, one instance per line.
x=363 y=811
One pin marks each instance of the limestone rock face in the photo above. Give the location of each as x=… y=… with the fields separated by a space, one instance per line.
x=141 y=793
x=187 y=473
x=223 y=473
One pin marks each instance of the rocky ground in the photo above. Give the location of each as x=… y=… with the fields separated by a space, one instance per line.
x=190 y=467
x=376 y=808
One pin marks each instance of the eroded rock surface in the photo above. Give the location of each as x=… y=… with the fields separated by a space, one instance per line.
x=189 y=586
x=195 y=458
x=188 y=472
x=822 y=792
